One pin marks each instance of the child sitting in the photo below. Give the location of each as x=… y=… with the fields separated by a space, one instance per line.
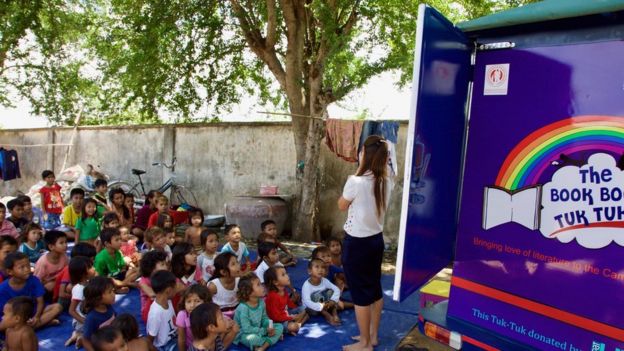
x=7 y=245
x=193 y=233
x=80 y=271
x=88 y=225
x=224 y=284
x=332 y=272
x=129 y=247
x=108 y=338
x=23 y=283
x=210 y=329
x=278 y=301
x=62 y=283
x=110 y=263
x=156 y=239
x=20 y=336
x=161 y=330
x=192 y=297
x=32 y=245
x=285 y=256
x=32 y=214
x=205 y=261
x=73 y=212
x=51 y=263
x=151 y=262
x=184 y=264
x=236 y=246
x=129 y=328
x=319 y=295
x=101 y=186
x=16 y=209
x=129 y=203
x=162 y=207
x=99 y=297
x=117 y=204
x=165 y=222
x=7 y=228
x=143 y=214
x=267 y=255
x=51 y=201
x=256 y=329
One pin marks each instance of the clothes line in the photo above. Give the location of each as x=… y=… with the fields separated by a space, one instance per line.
x=324 y=119
x=32 y=145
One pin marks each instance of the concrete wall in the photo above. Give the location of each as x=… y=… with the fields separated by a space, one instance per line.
x=216 y=161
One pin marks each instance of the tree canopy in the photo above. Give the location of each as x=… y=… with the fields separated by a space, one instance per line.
x=126 y=61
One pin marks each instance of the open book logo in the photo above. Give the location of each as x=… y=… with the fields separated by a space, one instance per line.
x=581 y=202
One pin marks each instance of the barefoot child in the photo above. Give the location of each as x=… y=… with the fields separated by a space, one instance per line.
x=193 y=233
x=51 y=201
x=192 y=297
x=51 y=263
x=205 y=261
x=224 y=284
x=23 y=283
x=99 y=297
x=319 y=295
x=278 y=301
x=236 y=246
x=257 y=331
x=211 y=330
x=19 y=335
x=80 y=271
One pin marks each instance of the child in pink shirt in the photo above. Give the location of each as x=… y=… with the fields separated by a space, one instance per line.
x=151 y=262
x=51 y=263
x=6 y=227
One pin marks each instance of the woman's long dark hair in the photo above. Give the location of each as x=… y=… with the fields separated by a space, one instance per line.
x=375 y=160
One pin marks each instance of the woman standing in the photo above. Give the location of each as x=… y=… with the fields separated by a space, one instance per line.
x=366 y=195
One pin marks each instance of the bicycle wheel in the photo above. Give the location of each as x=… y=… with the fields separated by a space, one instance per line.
x=181 y=195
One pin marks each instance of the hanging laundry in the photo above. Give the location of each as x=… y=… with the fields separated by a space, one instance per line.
x=9 y=164
x=343 y=137
x=389 y=130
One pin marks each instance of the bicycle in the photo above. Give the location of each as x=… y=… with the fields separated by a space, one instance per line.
x=178 y=194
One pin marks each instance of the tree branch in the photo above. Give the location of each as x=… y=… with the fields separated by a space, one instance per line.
x=271 y=36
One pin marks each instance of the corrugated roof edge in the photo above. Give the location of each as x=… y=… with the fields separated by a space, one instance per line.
x=543 y=11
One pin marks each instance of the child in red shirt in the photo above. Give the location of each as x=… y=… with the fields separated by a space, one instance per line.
x=51 y=201
x=278 y=300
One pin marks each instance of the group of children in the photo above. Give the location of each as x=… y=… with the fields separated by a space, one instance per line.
x=193 y=296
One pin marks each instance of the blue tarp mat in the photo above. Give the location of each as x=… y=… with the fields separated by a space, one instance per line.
x=396 y=321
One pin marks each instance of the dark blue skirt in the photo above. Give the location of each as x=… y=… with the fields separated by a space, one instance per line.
x=361 y=260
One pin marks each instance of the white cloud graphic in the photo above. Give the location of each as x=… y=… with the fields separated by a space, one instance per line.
x=585 y=203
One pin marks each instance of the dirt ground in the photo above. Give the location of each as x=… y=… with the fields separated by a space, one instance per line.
x=414 y=341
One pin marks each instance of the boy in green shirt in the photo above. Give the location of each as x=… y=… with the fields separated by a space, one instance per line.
x=110 y=263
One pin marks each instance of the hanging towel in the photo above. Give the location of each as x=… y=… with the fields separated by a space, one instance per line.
x=10 y=165
x=343 y=137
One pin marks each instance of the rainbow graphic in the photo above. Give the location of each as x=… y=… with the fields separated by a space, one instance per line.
x=533 y=155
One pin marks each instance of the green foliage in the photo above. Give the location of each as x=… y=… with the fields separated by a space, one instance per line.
x=135 y=61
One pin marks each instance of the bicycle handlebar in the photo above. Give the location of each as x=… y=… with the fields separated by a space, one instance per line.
x=170 y=166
